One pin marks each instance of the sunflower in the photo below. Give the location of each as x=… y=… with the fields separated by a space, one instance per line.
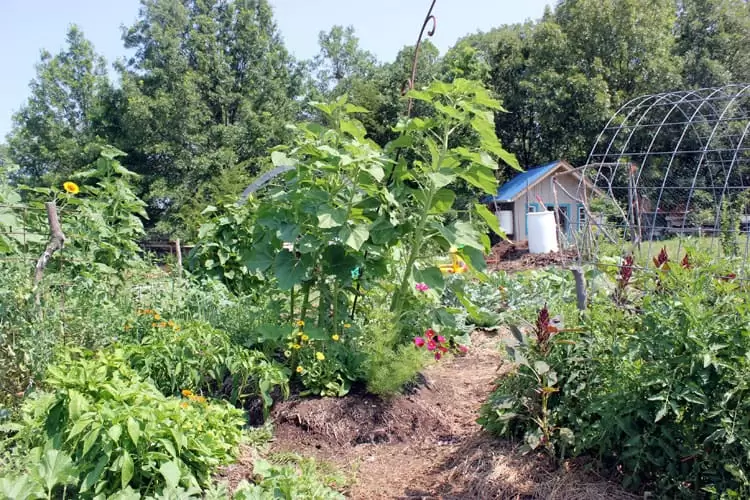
x=71 y=187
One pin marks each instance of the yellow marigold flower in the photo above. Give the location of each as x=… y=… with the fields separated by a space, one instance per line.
x=335 y=338
x=153 y=325
x=71 y=187
x=305 y=338
x=157 y=317
x=300 y=369
x=300 y=323
x=296 y=346
x=320 y=356
x=171 y=323
x=162 y=324
x=184 y=405
x=187 y=393
x=347 y=325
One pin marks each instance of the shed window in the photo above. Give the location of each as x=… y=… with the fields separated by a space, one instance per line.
x=581 y=216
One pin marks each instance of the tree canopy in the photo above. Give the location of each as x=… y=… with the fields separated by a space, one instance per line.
x=211 y=87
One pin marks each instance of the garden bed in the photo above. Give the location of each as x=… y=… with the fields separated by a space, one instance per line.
x=514 y=256
x=425 y=444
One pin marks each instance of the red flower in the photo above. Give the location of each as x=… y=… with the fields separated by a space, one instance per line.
x=431 y=346
x=626 y=271
x=661 y=261
x=429 y=333
x=438 y=356
x=418 y=341
x=685 y=262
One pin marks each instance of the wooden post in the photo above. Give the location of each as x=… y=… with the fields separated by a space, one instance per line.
x=56 y=242
x=179 y=257
x=580 y=287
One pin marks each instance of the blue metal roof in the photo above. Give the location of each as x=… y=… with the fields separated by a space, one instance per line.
x=511 y=189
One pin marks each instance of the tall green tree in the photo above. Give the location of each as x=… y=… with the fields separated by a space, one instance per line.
x=56 y=131
x=712 y=40
x=208 y=92
x=341 y=62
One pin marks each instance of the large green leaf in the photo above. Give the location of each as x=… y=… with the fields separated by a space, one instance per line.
x=490 y=219
x=354 y=236
x=430 y=276
x=481 y=177
x=171 y=473
x=258 y=258
x=127 y=468
x=442 y=201
x=289 y=270
x=56 y=468
x=329 y=217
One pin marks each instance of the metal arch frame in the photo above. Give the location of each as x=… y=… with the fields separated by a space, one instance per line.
x=698 y=107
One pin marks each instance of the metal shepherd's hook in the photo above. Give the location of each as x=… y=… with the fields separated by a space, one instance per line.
x=409 y=84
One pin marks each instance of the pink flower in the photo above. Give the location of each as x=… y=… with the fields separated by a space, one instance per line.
x=431 y=345
x=421 y=287
x=438 y=356
x=418 y=341
x=463 y=349
x=441 y=339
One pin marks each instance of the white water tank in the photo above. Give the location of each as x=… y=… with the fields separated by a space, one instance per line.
x=542 y=232
x=505 y=220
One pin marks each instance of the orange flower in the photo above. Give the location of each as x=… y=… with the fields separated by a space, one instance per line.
x=187 y=393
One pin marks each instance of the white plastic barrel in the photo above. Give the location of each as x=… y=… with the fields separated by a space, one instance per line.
x=542 y=232
x=505 y=220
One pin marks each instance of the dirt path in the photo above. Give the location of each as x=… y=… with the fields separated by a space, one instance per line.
x=426 y=444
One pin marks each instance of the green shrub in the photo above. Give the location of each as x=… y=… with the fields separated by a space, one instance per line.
x=202 y=359
x=102 y=428
x=654 y=385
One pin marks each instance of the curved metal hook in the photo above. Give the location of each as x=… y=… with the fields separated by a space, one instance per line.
x=429 y=17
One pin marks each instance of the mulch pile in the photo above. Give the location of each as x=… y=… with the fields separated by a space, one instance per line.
x=515 y=256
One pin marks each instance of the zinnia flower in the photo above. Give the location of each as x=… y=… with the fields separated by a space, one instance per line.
x=438 y=356
x=419 y=341
x=305 y=338
x=296 y=346
x=71 y=187
x=300 y=323
x=187 y=393
x=421 y=287
x=441 y=339
x=300 y=369
x=320 y=356
x=431 y=345
x=335 y=338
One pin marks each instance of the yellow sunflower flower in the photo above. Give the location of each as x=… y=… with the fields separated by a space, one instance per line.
x=300 y=323
x=296 y=346
x=305 y=338
x=71 y=187
x=320 y=356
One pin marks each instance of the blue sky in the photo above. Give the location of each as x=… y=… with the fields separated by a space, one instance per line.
x=383 y=26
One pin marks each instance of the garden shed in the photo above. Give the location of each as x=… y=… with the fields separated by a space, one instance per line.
x=522 y=194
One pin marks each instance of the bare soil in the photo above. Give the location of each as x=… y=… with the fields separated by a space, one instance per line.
x=426 y=444
x=515 y=256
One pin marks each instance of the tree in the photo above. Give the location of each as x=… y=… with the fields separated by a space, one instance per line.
x=210 y=89
x=56 y=131
x=341 y=62
x=712 y=39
